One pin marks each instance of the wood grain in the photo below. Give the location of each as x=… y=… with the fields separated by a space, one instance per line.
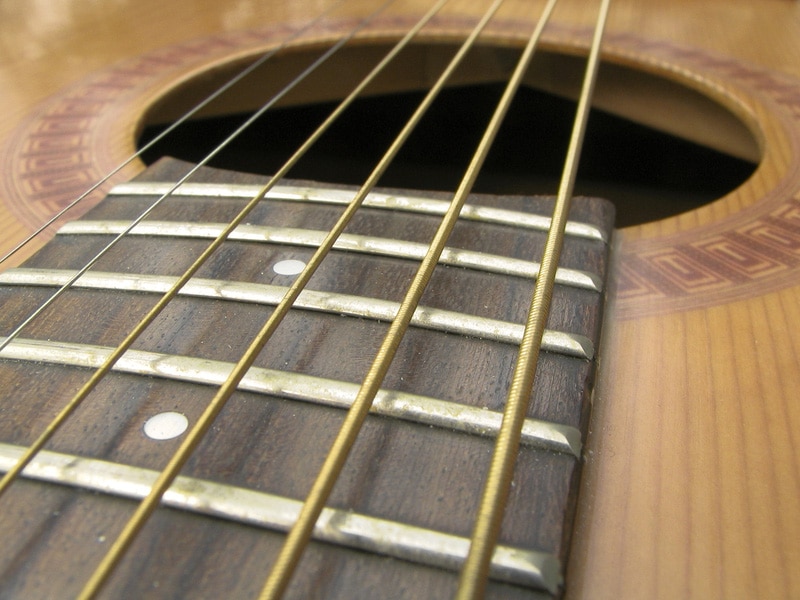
x=407 y=472
x=692 y=482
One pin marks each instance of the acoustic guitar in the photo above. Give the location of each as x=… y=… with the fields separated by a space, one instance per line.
x=654 y=454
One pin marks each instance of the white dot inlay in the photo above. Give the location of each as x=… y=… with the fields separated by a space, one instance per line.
x=165 y=426
x=288 y=267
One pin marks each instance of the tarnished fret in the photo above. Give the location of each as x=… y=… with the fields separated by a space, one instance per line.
x=481 y=261
x=270 y=511
x=570 y=344
x=294 y=386
x=321 y=195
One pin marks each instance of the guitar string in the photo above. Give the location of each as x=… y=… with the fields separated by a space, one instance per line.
x=431 y=267
x=173 y=126
x=300 y=534
x=198 y=431
x=474 y=574
x=191 y=172
x=11 y=475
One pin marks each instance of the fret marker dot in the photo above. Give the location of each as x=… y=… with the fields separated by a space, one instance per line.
x=289 y=267
x=165 y=426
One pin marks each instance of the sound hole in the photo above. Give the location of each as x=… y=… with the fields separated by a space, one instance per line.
x=648 y=174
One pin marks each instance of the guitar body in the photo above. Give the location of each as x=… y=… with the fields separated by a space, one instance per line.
x=691 y=479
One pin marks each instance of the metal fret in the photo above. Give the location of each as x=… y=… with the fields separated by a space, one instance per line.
x=323 y=195
x=270 y=511
x=570 y=344
x=481 y=261
x=294 y=386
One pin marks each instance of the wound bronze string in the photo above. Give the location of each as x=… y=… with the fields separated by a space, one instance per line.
x=501 y=471
x=301 y=532
x=196 y=434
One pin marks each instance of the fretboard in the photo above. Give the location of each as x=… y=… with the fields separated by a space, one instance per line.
x=400 y=516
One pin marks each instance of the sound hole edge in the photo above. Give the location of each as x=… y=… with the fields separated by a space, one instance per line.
x=647 y=173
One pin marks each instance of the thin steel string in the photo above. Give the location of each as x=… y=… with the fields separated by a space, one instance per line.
x=225 y=143
x=474 y=574
x=173 y=126
x=300 y=534
x=102 y=371
x=226 y=390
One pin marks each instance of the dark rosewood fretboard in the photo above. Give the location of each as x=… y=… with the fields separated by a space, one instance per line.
x=421 y=459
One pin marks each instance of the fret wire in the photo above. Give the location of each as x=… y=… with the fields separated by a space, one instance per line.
x=177 y=123
x=568 y=344
x=195 y=435
x=253 y=508
x=377 y=200
x=300 y=533
x=469 y=259
x=473 y=578
x=395 y=404
x=78 y=398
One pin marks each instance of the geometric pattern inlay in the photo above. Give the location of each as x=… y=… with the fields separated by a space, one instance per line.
x=63 y=148
x=749 y=253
